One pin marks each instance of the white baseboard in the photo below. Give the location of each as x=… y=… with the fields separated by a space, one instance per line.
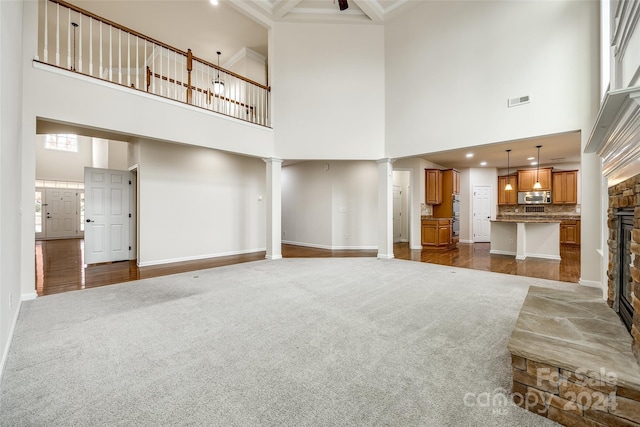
x=385 y=256
x=543 y=256
x=199 y=257
x=419 y=248
x=273 y=257
x=525 y=256
x=5 y=352
x=331 y=248
x=28 y=297
x=499 y=252
x=590 y=283
x=465 y=241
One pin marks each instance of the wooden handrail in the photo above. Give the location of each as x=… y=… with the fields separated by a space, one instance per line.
x=231 y=73
x=208 y=92
x=118 y=26
x=154 y=41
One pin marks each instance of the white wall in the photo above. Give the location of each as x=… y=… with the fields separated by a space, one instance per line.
x=451 y=67
x=334 y=208
x=10 y=142
x=62 y=165
x=198 y=203
x=328 y=91
x=130 y=112
x=67 y=166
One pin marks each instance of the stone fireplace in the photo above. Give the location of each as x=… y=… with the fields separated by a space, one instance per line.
x=623 y=271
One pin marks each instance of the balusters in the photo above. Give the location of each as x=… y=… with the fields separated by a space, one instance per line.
x=79 y=43
x=129 y=59
x=57 y=34
x=119 y=57
x=110 y=55
x=69 y=39
x=90 y=46
x=100 y=69
x=45 y=52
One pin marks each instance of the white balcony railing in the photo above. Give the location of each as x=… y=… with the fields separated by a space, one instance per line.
x=81 y=42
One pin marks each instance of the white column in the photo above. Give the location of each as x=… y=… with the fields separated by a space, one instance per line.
x=521 y=241
x=274 y=208
x=385 y=208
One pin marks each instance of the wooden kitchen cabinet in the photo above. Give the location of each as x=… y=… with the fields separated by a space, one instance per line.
x=527 y=178
x=509 y=197
x=437 y=232
x=570 y=232
x=433 y=186
x=455 y=177
x=565 y=188
x=449 y=179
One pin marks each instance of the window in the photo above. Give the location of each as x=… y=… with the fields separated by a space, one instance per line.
x=38 y=211
x=63 y=142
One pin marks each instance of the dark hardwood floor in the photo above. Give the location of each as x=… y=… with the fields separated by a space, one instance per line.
x=60 y=263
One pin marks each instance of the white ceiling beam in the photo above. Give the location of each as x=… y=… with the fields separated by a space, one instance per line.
x=283 y=7
x=372 y=9
x=255 y=10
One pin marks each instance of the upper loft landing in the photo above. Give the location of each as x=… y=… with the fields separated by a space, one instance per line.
x=76 y=40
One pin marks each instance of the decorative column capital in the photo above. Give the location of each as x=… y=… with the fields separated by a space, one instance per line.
x=386 y=160
x=272 y=160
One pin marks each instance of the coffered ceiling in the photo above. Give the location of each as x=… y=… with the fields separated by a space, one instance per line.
x=327 y=11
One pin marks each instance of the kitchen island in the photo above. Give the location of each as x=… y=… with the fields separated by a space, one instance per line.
x=526 y=237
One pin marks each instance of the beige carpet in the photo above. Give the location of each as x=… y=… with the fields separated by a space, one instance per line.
x=293 y=342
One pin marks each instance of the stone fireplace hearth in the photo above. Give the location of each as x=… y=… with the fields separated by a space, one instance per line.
x=623 y=271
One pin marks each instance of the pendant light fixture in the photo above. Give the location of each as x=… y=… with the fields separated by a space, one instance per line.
x=508 y=187
x=218 y=83
x=537 y=185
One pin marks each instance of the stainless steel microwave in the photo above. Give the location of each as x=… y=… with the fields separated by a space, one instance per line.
x=534 y=197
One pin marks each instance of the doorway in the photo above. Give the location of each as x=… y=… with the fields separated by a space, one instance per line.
x=481 y=213
x=59 y=210
x=401 y=205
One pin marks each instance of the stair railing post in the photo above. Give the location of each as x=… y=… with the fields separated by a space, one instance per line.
x=189 y=68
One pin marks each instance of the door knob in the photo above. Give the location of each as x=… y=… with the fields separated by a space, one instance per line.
x=90 y=220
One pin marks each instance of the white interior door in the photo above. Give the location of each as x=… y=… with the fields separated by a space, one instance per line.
x=397 y=213
x=481 y=213
x=61 y=213
x=106 y=234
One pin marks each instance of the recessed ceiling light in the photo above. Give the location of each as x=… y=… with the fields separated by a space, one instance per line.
x=531 y=158
x=483 y=163
x=534 y=163
x=214 y=2
x=469 y=155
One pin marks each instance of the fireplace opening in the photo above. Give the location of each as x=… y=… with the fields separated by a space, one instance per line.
x=624 y=282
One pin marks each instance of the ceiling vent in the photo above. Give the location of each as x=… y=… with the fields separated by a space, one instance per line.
x=514 y=102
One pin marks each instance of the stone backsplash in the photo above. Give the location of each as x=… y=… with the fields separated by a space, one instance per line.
x=547 y=210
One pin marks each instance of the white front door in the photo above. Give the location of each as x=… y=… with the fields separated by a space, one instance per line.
x=61 y=213
x=397 y=214
x=481 y=213
x=106 y=233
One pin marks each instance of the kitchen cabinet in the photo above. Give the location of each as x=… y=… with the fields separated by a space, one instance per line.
x=570 y=232
x=437 y=232
x=507 y=197
x=433 y=186
x=565 y=188
x=449 y=179
x=455 y=177
x=527 y=178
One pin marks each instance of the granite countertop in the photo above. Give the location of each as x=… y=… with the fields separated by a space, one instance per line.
x=528 y=220
x=537 y=218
